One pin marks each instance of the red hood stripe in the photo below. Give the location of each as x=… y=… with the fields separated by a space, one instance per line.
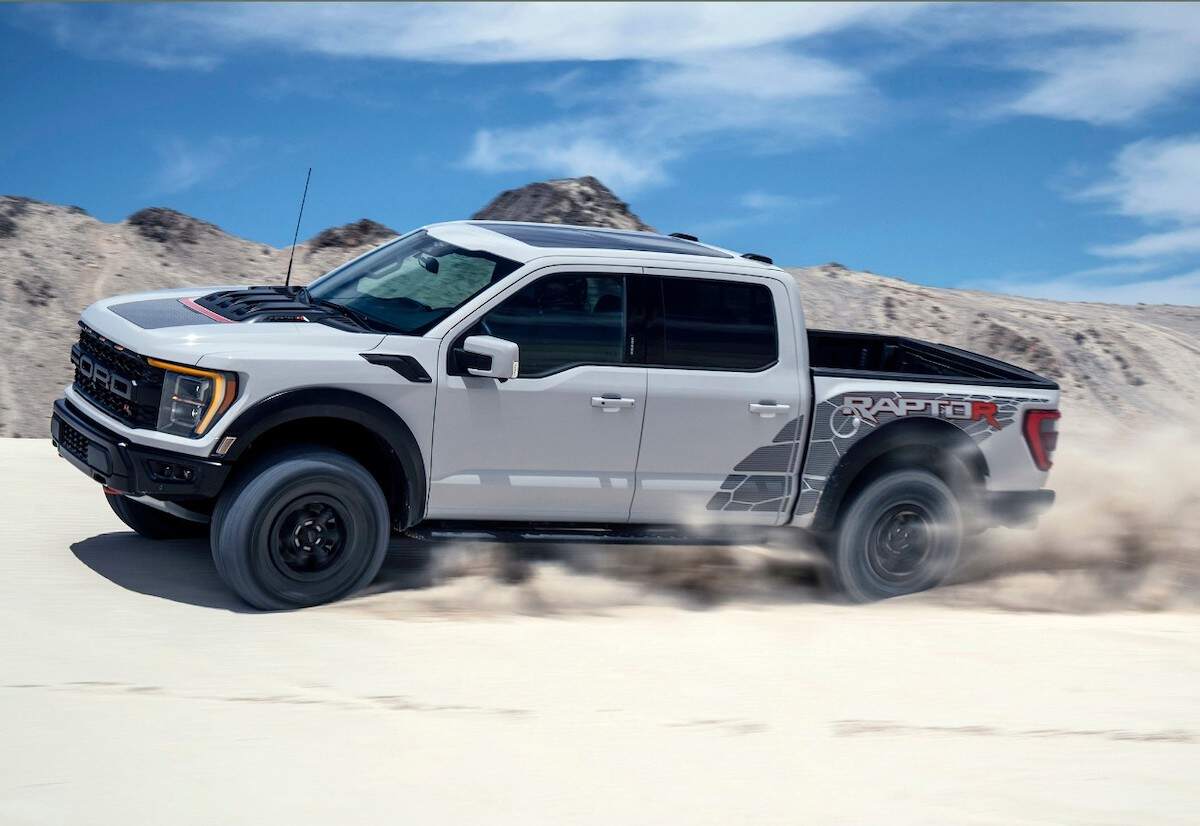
x=191 y=304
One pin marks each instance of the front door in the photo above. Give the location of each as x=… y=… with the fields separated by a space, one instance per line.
x=724 y=415
x=560 y=441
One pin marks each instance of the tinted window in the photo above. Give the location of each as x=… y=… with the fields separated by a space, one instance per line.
x=716 y=325
x=562 y=320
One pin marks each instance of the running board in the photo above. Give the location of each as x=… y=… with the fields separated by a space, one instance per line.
x=616 y=535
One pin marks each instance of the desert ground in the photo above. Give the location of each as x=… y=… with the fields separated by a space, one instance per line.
x=1053 y=685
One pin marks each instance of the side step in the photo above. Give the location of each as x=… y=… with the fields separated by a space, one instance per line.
x=516 y=532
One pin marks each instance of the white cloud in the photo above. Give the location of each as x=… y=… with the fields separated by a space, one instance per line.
x=489 y=32
x=759 y=200
x=1154 y=180
x=698 y=72
x=1102 y=63
x=1154 y=245
x=1175 y=289
x=567 y=149
x=184 y=164
x=763 y=76
x=661 y=111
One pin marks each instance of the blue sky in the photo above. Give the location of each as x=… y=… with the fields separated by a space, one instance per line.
x=1047 y=150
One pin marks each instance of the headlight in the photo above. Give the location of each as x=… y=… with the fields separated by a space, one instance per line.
x=192 y=399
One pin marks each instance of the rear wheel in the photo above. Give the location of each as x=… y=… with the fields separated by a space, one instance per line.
x=901 y=534
x=300 y=529
x=151 y=522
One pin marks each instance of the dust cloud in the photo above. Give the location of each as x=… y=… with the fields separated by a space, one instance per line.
x=1124 y=535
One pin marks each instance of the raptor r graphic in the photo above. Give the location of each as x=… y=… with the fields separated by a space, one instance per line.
x=597 y=385
x=868 y=407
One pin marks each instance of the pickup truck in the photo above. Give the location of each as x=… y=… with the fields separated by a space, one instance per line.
x=521 y=381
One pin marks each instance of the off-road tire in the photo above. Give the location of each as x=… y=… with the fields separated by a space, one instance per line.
x=267 y=540
x=901 y=534
x=151 y=522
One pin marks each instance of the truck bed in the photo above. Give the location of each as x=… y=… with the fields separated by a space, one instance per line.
x=866 y=355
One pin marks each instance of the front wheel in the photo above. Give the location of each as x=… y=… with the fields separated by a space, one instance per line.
x=901 y=534
x=301 y=529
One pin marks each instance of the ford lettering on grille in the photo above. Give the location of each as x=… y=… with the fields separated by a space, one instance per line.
x=118 y=381
x=102 y=376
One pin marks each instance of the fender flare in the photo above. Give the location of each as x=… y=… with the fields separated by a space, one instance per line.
x=334 y=403
x=938 y=436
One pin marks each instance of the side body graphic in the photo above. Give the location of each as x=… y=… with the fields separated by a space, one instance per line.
x=843 y=420
x=764 y=480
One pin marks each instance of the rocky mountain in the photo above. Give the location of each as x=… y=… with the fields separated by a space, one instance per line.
x=1123 y=362
x=581 y=201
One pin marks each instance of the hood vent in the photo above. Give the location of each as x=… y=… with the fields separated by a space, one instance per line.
x=261 y=304
x=254 y=305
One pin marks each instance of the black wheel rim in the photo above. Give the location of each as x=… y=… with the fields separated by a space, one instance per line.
x=901 y=542
x=309 y=537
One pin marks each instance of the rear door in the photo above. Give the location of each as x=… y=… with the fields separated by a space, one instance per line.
x=723 y=424
x=560 y=441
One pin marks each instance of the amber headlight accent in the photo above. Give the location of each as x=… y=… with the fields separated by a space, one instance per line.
x=192 y=399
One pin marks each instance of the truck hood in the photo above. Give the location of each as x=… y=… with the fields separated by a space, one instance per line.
x=166 y=325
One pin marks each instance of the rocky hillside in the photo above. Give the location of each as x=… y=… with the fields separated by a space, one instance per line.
x=1124 y=362
x=580 y=201
x=55 y=260
x=1112 y=361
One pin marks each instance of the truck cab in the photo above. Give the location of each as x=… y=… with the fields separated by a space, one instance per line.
x=521 y=380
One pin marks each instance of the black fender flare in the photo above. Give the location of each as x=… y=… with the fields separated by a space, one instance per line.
x=335 y=403
x=936 y=436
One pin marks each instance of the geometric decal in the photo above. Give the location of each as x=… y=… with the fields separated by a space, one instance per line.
x=835 y=430
x=763 y=481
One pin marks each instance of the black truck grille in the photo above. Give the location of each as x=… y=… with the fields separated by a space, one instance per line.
x=121 y=383
x=74 y=441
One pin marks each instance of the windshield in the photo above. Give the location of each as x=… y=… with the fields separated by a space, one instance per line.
x=410 y=285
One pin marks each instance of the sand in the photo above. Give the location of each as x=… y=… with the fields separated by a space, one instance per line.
x=135 y=689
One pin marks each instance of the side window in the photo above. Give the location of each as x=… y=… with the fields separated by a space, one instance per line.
x=715 y=325
x=562 y=320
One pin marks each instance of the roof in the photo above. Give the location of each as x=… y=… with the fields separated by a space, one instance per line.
x=525 y=241
x=565 y=236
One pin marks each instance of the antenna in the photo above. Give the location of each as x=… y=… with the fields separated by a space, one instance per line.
x=288 y=279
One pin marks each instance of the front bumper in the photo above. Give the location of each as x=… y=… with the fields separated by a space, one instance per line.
x=1015 y=508
x=115 y=462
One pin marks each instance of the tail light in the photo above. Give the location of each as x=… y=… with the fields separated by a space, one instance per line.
x=1041 y=436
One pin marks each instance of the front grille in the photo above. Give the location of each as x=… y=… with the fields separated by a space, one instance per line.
x=74 y=441
x=120 y=382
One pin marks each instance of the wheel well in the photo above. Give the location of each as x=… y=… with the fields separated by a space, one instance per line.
x=351 y=438
x=928 y=444
x=361 y=426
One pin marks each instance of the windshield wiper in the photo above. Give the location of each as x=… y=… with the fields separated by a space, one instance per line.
x=361 y=319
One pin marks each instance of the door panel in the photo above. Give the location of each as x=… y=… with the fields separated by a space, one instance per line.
x=560 y=442
x=537 y=448
x=721 y=446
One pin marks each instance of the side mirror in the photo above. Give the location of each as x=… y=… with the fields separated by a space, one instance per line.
x=489 y=356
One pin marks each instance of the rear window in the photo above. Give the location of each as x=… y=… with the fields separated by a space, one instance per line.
x=716 y=325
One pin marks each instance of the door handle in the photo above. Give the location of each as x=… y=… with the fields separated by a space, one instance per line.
x=767 y=408
x=612 y=402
